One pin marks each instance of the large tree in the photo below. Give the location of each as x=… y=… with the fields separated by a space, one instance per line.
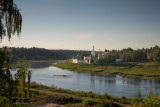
x=10 y=24
x=10 y=19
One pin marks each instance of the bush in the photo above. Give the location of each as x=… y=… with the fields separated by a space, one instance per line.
x=149 y=101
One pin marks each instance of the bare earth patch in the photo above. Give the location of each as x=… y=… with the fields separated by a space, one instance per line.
x=51 y=105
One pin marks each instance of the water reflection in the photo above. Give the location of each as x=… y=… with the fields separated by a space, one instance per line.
x=112 y=84
x=36 y=65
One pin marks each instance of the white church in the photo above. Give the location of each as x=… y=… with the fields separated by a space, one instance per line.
x=86 y=59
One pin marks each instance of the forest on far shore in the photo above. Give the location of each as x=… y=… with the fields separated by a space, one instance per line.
x=127 y=54
x=130 y=55
x=42 y=54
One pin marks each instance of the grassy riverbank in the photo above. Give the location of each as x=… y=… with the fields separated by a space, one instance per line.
x=42 y=94
x=81 y=98
x=148 y=70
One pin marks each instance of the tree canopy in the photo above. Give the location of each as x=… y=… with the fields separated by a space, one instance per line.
x=131 y=55
x=10 y=24
x=10 y=19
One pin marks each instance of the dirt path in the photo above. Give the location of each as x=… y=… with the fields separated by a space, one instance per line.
x=50 y=105
x=52 y=92
x=70 y=95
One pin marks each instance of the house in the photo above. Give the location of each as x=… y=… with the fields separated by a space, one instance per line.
x=118 y=60
x=80 y=61
x=86 y=58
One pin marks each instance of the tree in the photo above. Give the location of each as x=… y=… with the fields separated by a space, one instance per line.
x=6 y=80
x=10 y=19
x=109 y=58
x=10 y=24
x=84 y=54
x=155 y=54
x=149 y=101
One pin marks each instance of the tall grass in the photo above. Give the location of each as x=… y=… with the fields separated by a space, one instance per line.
x=94 y=103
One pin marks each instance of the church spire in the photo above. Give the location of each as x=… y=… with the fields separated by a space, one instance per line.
x=93 y=48
x=93 y=52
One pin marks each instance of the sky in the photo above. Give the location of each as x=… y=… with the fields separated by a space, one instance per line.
x=81 y=24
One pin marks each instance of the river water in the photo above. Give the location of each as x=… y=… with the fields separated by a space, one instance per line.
x=115 y=85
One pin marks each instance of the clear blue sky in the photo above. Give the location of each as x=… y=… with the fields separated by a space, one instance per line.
x=80 y=24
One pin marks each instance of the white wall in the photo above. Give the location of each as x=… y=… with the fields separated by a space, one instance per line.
x=86 y=57
x=80 y=61
x=118 y=60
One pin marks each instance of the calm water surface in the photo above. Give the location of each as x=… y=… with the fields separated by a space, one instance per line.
x=115 y=85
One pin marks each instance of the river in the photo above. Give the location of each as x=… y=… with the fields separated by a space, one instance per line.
x=115 y=85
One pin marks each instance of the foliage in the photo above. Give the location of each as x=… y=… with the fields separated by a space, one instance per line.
x=94 y=103
x=28 y=83
x=149 y=101
x=155 y=54
x=127 y=55
x=138 y=95
x=7 y=83
x=11 y=86
x=22 y=73
x=81 y=56
x=130 y=55
x=41 y=54
x=109 y=58
x=10 y=23
x=10 y=19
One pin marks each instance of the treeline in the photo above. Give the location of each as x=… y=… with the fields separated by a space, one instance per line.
x=131 y=55
x=42 y=54
x=126 y=55
x=151 y=54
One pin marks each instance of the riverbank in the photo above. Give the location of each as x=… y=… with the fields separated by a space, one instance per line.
x=42 y=95
x=70 y=98
x=78 y=98
x=145 y=70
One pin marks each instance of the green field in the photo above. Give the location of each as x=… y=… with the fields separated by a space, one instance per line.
x=147 y=70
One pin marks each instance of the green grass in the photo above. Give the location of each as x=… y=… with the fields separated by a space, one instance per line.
x=80 y=67
x=40 y=98
x=94 y=99
x=91 y=95
x=101 y=100
x=94 y=103
x=147 y=70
